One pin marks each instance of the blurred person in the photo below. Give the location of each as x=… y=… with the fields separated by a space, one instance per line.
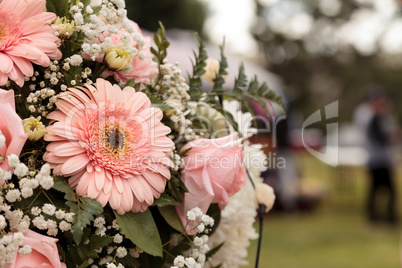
x=377 y=126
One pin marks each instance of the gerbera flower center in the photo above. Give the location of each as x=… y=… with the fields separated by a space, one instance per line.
x=10 y=31
x=114 y=140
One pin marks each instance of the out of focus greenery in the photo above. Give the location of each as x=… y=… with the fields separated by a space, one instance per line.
x=317 y=67
x=183 y=14
x=334 y=235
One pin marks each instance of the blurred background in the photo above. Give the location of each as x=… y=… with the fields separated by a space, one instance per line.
x=339 y=207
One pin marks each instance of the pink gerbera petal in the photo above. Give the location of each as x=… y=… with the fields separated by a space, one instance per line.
x=25 y=38
x=121 y=156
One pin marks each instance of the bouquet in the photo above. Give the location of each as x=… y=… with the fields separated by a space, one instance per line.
x=109 y=156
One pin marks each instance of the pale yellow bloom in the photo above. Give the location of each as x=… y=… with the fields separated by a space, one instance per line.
x=264 y=194
x=211 y=69
x=117 y=59
x=64 y=27
x=34 y=128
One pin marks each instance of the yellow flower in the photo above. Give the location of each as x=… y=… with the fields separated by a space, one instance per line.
x=264 y=194
x=117 y=59
x=34 y=128
x=64 y=27
x=211 y=69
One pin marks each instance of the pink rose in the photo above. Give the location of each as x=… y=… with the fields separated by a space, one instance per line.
x=10 y=126
x=44 y=252
x=213 y=171
x=142 y=70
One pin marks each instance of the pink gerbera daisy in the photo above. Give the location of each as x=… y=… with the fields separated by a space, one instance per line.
x=112 y=145
x=25 y=37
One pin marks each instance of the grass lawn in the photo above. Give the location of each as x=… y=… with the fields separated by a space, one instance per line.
x=336 y=234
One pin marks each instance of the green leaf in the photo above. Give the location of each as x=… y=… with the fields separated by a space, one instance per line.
x=85 y=210
x=195 y=81
x=56 y=6
x=170 y=216
x=86 y=251
x=84 y=264
x=129 y=261
x=214 y=250
x=130 y=83
x=161 y=43
x=165 y=200
x=219 y=80
x=61 y=185
x=141 y=229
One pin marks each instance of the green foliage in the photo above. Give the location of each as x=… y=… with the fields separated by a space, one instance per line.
x=86 y=251
x=198 y=69
x=130 y=83
x=170 y=215
x=165 y=200
x=129 y=261
x=56 y=6
x=242 y=91
x=214 y=250
x=141 y=229
x=175 y=186
x=215 y=212
x=84 y=208
x=161 y=43
x=220 y=80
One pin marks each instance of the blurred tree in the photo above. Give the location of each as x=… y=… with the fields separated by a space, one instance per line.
x=184 y=14
x=327 y=50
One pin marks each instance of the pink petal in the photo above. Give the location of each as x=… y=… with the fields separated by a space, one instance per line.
x=127 y=198
x=6 y=63
x=82 y=186
x=75 y=164
x=69 y=149
x=115 y=198
x=100 y=179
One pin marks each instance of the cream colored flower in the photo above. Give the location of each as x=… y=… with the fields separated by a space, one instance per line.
x=211 y=69
x=264 y=194
x=34 y=128
x=64 y=27
x=117 y=59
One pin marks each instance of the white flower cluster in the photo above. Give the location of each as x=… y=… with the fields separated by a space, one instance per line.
x=9 y=245
x=174 y=90
x=98 y=30
x=116 y=250
x=16 y=220
x=178 y=161
x=61 y=220
x=42 y=98
x=197 y=254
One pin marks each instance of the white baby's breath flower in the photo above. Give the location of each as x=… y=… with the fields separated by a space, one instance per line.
x=64 y=226
x=13 y=160
x=26 y=192
x=75 y=60
x=13 y=195
x=49 y=209
x=191 y=215
x=25 y=250
x=179 y=261
x=69 y=217
x=121 y=252
x=36 y=211
x=46 y=182
x=3 y=222
x=118 y=238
